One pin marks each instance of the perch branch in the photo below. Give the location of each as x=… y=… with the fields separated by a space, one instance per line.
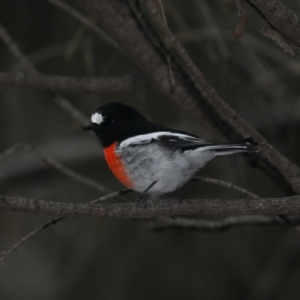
x=5 y=254
x=167 y=208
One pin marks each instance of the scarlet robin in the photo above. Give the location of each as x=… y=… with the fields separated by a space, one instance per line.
x=148 y=157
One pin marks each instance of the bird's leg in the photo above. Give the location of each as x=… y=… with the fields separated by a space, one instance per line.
x=180 y=202
x=141 y=196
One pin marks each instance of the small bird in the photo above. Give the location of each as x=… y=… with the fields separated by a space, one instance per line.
x=148 y=157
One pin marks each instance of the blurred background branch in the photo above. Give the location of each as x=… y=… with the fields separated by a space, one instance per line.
x=58 y=99
x=54 y=164
x=282 y=21
x=269 y=158
x=213 y=226
x=129 y=83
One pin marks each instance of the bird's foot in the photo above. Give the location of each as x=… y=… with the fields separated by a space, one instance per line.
x=140 y=199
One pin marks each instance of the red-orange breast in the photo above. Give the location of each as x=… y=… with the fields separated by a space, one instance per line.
x=115 y=163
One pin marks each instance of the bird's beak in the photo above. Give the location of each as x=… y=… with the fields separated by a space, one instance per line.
x=90 y=127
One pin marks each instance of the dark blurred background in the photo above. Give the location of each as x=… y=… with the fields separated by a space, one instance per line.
x=122 y=259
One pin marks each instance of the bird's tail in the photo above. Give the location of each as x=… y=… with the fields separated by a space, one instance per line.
x=248 y=145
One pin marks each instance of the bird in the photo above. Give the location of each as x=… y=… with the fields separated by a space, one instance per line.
x=152 y=158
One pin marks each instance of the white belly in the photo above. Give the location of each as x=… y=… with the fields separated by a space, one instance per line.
x=148 y=163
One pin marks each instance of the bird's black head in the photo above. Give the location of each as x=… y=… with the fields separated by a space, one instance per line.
x=114 y=122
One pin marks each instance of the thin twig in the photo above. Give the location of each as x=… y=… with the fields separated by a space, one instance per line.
x=126 y=83
x=210 y=226
x=135 y=7
x=281 y=41
x=58 y=99
x=213 y=226
x=86 y=22
x=12 y=150
x=211 y=22
x=115 y=18
x=5 y=254
x=167 y=43
x=228 y=185
x=54 y=164
x=15 y=51
x=281 y=19
x=287 y=219
x=76 y=176
x=242 y=20
x=69 y=108
x=212 y=97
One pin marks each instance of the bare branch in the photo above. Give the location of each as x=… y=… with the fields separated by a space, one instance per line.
x=212 y=226
x=127 y=83
x=242 y=20
x=167 y=42
x=69 y=108
x=83 y=20
x=58 y=99
x=282 y=20
x=193 y=97
x=54 y=164
x=228 y=185
x=4 y=255
x=287 y=219
x=15 y=50
x=211 y=96
x=279 y=39
x=12 y=150
x=168 y=207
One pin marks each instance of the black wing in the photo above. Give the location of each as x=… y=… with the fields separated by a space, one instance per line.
x=181 y=142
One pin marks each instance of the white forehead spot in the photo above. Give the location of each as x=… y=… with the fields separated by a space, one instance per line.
x=97 y=118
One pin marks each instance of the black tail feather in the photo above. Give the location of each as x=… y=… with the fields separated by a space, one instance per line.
x=247 y=145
